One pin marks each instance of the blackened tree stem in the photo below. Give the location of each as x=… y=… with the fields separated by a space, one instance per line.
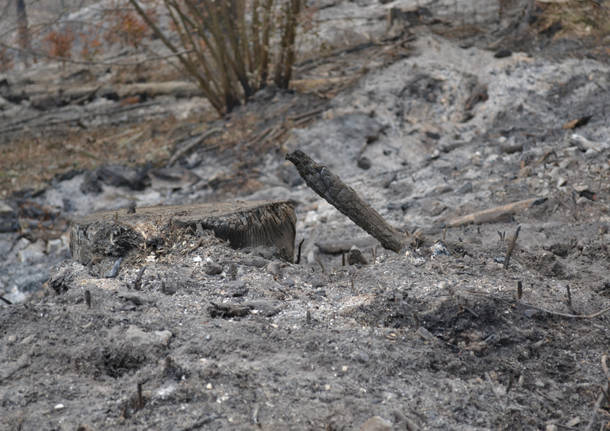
x=328 y=185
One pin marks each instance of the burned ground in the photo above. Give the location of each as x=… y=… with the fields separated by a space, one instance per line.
x=193 y=334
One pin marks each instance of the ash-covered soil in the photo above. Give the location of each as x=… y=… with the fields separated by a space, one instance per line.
x=443 y=335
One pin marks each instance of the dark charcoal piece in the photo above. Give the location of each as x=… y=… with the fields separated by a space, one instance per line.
x=503 y=53
x=355 y=257
x=124 y=176
x=8 y=218
x=228 y=311
x=91 y=184
x=364 y=163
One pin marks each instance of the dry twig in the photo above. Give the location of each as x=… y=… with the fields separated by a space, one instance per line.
x=494 y=214
x=544 y=310
x=511 y=247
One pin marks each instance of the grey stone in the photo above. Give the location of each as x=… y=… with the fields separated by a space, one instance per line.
x=364 y=163
x=212 y=269
x=355 y=257
x=140 y=338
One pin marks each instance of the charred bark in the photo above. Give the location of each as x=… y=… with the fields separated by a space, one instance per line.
x=346 y=200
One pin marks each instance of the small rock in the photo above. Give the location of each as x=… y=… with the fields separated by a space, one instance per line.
x=580 y=187
x=364 y=163
x=439 y=249
x=275 y=269
x=169 y=287
x=511 y=147
x=124 y=176
x=289 y=174
x=376 y=423
x=503 y=53
x=34 y=252
x=54 y=246
x=435 y=155
x=212 y=269
x=237 y=288
x=8 y=218
x=91 y=184
x=466 y=188
x=586 y=144
x=59 y=406
x=134 y=298
x=116 y=267
x=361 y=356
x=425 y=334
x=356 y=257
x=265 y=252
x=138 y=338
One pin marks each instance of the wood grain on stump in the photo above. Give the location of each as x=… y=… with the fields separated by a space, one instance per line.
x=113 y=234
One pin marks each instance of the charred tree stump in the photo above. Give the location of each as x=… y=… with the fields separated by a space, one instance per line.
x=108 y=236
x=346 y=200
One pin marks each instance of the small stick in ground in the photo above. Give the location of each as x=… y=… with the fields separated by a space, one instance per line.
x=511 y=247
x=519 y=290
x=6 y=301
x=605 y=367
x=137 y=284
x=88 y=298
x=345 y=199
x=569 y=297
x=140 y=397
x=299 y=251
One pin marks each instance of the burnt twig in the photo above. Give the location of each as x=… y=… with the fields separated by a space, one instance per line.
x=299 y=251
x=137 y=283
x=544 y=310
x=511 y=247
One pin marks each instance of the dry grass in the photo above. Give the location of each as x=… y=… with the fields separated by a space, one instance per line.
x=31 y=161
x=578 y=18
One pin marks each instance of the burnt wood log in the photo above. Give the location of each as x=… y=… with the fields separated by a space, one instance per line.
x=100 y=238
x=346 y=200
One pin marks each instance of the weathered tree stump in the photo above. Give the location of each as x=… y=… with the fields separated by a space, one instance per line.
x=111 y=235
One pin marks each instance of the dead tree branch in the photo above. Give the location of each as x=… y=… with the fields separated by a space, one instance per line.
x=346 y=200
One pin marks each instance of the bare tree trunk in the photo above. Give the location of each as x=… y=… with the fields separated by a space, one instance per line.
x=23 y=32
